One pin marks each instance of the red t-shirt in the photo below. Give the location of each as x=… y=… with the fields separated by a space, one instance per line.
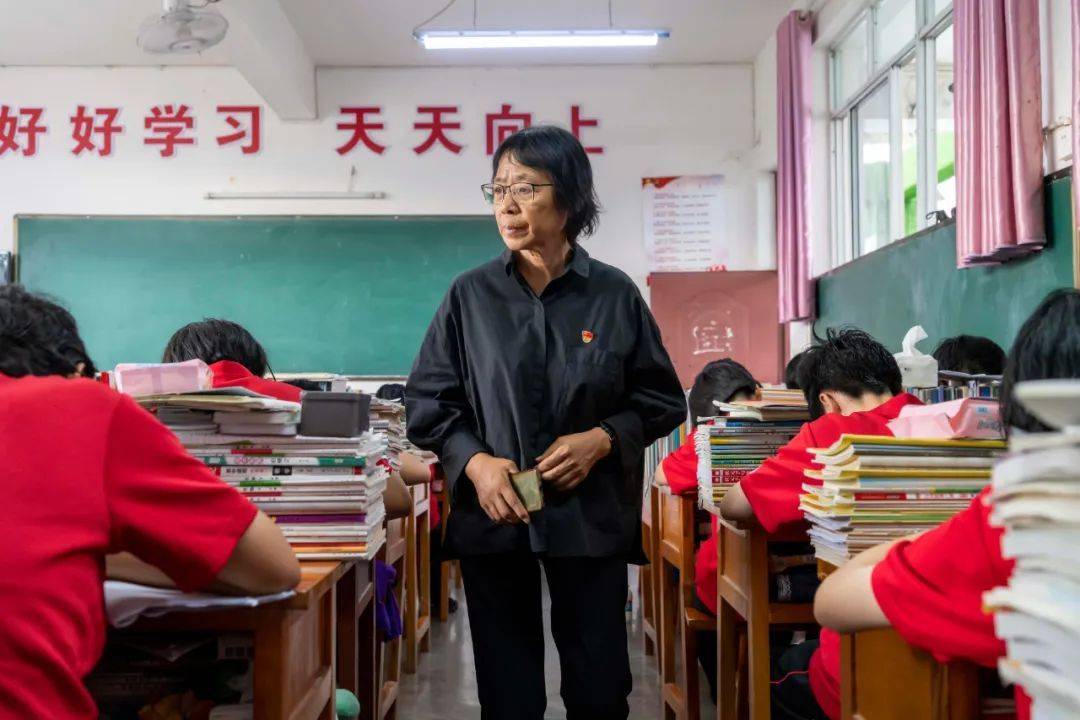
x=232 y=374
x=773 y=489
x=86 y=472
x=680 y=469
x=931 y=591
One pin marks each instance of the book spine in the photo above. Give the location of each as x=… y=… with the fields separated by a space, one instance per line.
x=272 y=460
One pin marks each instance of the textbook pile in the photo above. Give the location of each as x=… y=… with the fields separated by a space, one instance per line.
x=732 y=445
x=388 y=419
x=877 y=488
x=1036 y=498
x=324 y=493
x=958 y=385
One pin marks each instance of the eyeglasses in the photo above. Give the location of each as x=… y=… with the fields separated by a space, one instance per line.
x=522 y=192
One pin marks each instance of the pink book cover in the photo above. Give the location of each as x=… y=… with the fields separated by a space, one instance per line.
x=971 y=418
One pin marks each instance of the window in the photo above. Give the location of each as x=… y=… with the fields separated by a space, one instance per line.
x=892 y=132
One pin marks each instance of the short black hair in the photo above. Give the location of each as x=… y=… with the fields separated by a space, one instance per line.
x=1046 y=348
x=391 y=391
x=720 y=380
x=558 y=153
x=970 y=354
x=846 y=360
x=791 y=372
x=39 y=337
x=213 y=340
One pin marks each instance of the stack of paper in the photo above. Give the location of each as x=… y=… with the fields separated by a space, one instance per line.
x=957 y=386
x=732 y=446
x=388 y=418
x=1036 y=498
x=324 y=493
x=872 y=489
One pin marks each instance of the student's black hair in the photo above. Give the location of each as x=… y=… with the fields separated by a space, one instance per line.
x=719 y=380
x=39 y=337
x=213 y=340
x=1046 y=348
x=559 y=154
x=846 y=360
x=391 y=391
x=970 y=354
x=791 y=372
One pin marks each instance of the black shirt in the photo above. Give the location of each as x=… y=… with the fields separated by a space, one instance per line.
x=505 y=372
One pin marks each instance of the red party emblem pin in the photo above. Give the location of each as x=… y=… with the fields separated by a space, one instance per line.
x=586 y=336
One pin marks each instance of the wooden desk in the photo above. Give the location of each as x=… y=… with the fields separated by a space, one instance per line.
x=743 y=668
x=388 y=654
x=356 y=668
x=294 y=643
x=650 y=574
x=418 y=578
x=914 y=686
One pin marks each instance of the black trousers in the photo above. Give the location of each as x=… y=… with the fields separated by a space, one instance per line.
x=588 y=623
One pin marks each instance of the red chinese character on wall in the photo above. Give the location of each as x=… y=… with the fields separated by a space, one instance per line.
x=437 y=127
x=167 y=125
x=251 y=129
x=25 y=122
x=359 y=127
x=86 y=124
x=503 y=124
x=577 y=122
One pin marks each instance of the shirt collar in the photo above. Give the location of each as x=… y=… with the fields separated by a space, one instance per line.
x=890 y=409
x=579 y=261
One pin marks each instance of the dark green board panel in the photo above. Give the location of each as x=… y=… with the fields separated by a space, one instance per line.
x=916 y=282
x=343 y=294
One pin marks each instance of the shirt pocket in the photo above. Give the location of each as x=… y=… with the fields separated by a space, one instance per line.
x=593 y=386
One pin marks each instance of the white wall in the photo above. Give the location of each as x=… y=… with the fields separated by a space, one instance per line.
x=654 y=121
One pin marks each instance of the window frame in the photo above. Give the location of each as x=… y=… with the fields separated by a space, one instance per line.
x=846 y=237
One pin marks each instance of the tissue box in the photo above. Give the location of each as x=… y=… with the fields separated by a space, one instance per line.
x=918 y=371
x=159 y=378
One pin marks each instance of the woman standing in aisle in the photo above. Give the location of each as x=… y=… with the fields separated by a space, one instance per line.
x=544 y=358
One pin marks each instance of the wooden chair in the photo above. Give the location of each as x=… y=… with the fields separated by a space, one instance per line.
x=649 y=574
x=389 y=656
x=417 y=579
x=449 y=570
x=675 y=527
x=745 y=616
x=914 y=685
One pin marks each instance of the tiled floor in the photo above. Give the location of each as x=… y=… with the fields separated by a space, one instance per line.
x=445 y=686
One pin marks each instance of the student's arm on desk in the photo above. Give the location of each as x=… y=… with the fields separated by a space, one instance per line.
x=845 y=601
x=396 y=497
x=735 y=506
x=414 y=471
x=262 y=563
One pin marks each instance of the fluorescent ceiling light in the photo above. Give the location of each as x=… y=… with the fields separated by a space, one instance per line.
x=514 y=39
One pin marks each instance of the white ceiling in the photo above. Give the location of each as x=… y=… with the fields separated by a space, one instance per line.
x=377 y=32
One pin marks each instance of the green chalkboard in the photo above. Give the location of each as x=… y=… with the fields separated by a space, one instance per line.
x=344 y=294
x=916 y=282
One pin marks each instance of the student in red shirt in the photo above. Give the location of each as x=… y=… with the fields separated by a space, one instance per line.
x=87 y=474
x=929 y=588
x=235 y=357
x=852 y=385
x=724 y=381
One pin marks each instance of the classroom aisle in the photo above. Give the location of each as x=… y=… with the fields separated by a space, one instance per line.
x=445 y=686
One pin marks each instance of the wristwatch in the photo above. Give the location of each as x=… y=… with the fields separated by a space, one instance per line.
x=611 y=435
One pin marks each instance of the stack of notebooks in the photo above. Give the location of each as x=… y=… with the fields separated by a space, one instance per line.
x=731 y=446
x=874 y=489
x=324 y=493
x=1036 y=498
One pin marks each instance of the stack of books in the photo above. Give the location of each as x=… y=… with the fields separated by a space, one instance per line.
x=1036 y=498
x=388 y=420
x=734 y=444
x=872 y=489
x=655 y=453
x=324 y=493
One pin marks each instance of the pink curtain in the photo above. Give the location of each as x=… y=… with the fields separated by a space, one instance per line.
x=998 y=112
x=793 y=39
